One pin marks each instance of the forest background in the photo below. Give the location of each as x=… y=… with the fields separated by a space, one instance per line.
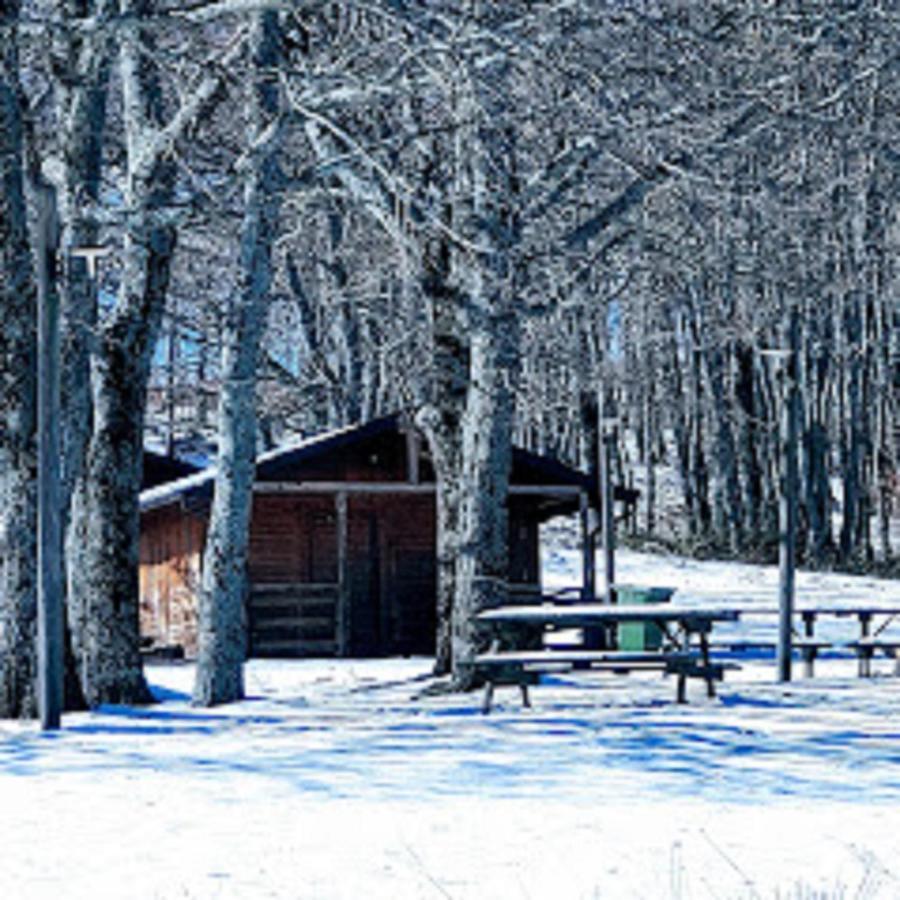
x=512 y=220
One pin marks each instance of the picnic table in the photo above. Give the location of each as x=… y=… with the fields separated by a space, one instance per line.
x=865 y=646
x=685 y=650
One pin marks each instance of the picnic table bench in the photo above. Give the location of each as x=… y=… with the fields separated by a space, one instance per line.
x=809 y=648
x=866 y=648
x=685 y=651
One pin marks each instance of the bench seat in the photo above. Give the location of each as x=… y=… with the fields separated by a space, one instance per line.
x=523 y=667
x=808 y=647
x=866 y=648
x=575 y=657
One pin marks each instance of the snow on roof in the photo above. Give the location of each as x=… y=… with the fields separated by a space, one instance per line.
x=551 y=471
x=164 y=494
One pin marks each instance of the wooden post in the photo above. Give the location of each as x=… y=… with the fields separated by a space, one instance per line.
x=342 y=623
x=170 y=381
x=413 y=448
x=50 y=580
x=588 y=569
x=607 y=444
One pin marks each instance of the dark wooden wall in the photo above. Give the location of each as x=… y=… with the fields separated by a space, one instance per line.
x=392 y=574
x=294 y=577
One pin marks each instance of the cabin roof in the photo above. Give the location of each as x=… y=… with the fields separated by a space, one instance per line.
x=159 y=468
x=288 y=460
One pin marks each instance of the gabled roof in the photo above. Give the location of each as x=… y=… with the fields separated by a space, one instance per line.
x=159 y=468
x=528 y=467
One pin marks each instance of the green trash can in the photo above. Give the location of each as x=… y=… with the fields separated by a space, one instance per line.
x=637 y=636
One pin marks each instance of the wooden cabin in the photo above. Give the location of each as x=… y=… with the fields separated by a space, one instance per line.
x=342 y=544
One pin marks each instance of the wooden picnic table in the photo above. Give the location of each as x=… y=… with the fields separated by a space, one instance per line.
x=686 y=631
x=869 y=641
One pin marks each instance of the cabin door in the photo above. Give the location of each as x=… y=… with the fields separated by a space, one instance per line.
x=365 y=577
x=410 y=599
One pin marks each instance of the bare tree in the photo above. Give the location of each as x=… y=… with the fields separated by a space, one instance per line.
x=222 y=634
x=18 y=524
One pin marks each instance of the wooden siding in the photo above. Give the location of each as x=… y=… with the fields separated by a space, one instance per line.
x=171 y=549
x=292 y=620
x=293 y=576
x=292 y=571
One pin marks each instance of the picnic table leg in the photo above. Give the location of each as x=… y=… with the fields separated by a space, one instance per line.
x=488 y=697
x=865 y=657
x=809 y=660
x=704 y=656
x=865 y=662
x=809 y=624
x=681 y=695
x=809 y=653
x=865 y=620
x=526 y=700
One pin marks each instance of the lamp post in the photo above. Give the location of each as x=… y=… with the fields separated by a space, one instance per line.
x=49 y=551
x=608 y=428
x=597 y=638
x=49 y=555
x=91 y=256
x=786 y=367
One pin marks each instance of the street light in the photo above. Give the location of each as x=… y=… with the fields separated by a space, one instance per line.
x=786 y=366
x=91 y=255
x=49 y=550
x=608 y=427
x=51 y=687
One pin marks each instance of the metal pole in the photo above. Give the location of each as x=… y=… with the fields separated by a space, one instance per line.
x=609 y=521
x=50 y=581
x=588 y=576
x=787 y=510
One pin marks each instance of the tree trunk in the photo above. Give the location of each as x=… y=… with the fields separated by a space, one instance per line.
x=102 y=544
x=18 y=523
x=749 y=437
x=728 y=509
x=483 y=562
x=488 y=197
x=441 y=421
x=81 y=108
x=102 y=541
x=222 y=631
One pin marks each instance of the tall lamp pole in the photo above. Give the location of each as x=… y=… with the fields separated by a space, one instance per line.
x=50 y=611
x=607 y=449
x=788 y=434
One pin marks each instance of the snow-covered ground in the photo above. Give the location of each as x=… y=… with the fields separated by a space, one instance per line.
x=340 y=779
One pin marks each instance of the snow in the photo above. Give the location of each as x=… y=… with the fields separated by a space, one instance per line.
x=341 y=778
x=166 y=493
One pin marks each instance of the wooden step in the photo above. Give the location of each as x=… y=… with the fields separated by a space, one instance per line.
x=293 y=648
x=305 y=623
x=289 y=601
x=300 y=587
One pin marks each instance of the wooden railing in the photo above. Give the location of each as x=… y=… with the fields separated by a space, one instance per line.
x=294 y=619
